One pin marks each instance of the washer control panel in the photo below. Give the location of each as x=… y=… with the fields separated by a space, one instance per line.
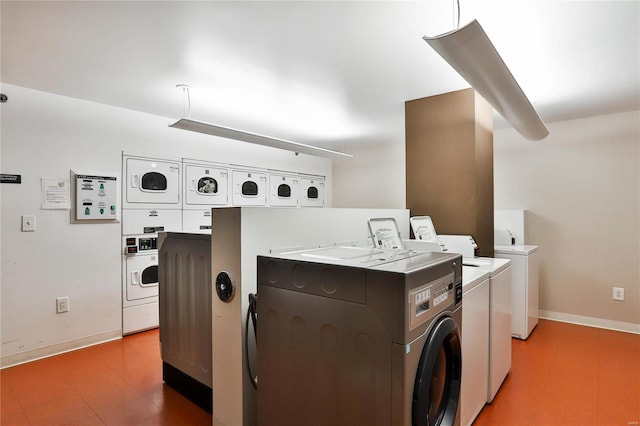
x=143 y=245
x=431 y=299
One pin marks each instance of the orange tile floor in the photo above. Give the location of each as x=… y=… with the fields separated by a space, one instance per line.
x=563 y=374
x=566 y=374
x=117 y=383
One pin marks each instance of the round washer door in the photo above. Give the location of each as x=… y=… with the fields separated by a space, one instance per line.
x=436 y=392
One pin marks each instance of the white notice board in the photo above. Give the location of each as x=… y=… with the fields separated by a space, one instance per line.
x=96 y=197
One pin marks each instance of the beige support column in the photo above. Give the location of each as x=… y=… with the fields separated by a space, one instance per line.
x=449 y=164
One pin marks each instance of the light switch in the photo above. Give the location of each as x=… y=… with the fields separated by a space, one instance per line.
x=28 y=223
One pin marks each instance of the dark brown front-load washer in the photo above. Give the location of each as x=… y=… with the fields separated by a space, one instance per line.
x=355 y=336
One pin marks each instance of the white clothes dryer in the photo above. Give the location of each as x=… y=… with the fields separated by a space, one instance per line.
x=312 y=191
x=150 y=183
x=284 y=190
x=249 y=188
x=205 y=184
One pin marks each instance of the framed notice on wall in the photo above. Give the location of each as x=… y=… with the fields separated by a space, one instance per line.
x=96 y=197
x=55 y=194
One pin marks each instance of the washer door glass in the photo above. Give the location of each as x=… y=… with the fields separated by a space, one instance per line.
x=154 y=181
x=436 y=392
x=149 y=276
x=284 y=191
x=250 y=188
x=207 y=185
x=312 y=192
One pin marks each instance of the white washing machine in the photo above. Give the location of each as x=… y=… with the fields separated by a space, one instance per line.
x=475 y=343
x=140 y=265
x=151 y=183
x=312 y=191
x=499 y=318
x=524 y=287
x=499 y=306
x=284 y=190
x=205 y=184
x=139 y=283
x=249 y=188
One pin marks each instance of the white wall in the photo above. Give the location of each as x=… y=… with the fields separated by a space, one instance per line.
x=581 y=187
x=45 y=135
x=374 y=178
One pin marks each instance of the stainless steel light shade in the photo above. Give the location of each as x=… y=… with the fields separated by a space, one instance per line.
x=470 y=52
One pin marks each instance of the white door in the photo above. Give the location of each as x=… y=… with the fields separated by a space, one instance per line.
x=311 y=192
x=142 y=277
x=249 y=188
x=151 y=182
x=206 y=186
x=283 y=190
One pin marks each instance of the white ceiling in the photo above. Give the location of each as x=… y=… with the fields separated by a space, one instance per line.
x=327 y=73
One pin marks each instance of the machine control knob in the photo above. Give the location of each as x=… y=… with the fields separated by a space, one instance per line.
x=225 y=287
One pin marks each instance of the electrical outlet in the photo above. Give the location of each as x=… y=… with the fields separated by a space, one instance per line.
x=618 y=293
x=62 y=305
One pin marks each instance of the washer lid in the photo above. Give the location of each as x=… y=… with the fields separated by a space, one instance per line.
x=347 y=255
x=472 y=277
x=518 y=249
x=491 y=264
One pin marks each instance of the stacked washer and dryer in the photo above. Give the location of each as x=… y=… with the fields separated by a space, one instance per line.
x=206 y=185
x=176 y=195
x=151 y=204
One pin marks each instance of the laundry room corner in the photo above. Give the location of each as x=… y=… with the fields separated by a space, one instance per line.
x=48 y=136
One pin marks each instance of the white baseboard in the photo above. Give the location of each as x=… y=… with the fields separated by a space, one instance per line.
x=627 y=327
x=58 y=348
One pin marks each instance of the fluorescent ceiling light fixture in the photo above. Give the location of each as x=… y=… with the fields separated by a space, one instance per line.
x=470 y=52
x=241 y=135
x=244 y=136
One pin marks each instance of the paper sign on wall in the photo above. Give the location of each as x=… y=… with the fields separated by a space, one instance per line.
x=55 y=194
x=96 y=197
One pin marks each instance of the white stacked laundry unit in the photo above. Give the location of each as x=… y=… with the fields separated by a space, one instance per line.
x=206 y=185
x=151 y=203
x=312 y=191
x=284 y=189
x=249 y=187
